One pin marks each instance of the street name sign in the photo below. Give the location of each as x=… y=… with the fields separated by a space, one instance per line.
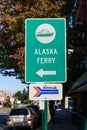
x=45 y=91
x=45 y=53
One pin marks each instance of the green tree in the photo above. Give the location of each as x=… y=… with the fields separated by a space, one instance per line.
x=23 y=96
x=12 y=33
x=18 y=95
x=12 y=37
x=8 y=102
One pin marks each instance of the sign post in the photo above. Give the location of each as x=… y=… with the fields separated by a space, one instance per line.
x=45 y=54
x=46 y=117
x=41 y=91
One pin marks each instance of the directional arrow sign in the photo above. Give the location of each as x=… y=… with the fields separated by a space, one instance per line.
x=45 y=91
x=41 y=73
x=45 y=45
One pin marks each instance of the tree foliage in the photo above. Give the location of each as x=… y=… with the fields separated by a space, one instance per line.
x=7 y=103
x=12 y=29
x=18 y=95
x=23 y=96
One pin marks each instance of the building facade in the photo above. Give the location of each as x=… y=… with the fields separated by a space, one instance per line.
x=4 y=95
x=78 y=90
x=80 y=16
x=80 y=22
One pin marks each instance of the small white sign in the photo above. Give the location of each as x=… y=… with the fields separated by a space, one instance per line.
x=45 y=91
x=41 y=104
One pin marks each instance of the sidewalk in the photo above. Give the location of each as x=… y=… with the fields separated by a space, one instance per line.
x=63 y=121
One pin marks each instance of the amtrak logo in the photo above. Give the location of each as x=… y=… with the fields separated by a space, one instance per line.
x=40 y=91
x=45 y=33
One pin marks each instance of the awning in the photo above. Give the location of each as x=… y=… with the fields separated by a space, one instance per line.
x=80 y=85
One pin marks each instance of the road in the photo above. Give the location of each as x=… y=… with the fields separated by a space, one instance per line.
x=3 y=116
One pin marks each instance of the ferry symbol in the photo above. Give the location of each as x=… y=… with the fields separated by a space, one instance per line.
x=45 y=33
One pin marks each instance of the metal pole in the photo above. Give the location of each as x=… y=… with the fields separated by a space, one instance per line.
x=44 y=117
x=43 y=128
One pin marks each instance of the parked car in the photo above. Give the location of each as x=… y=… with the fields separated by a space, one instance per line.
x=37 y=111
x=58 y=107
x=21 y=117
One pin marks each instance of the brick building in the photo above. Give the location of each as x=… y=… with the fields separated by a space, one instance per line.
x=4 y=95
x=81 y=12
x=78 y=89
x=80 y=19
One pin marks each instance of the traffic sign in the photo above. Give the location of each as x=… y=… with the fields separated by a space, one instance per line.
x=45 y=54
x=45 y=91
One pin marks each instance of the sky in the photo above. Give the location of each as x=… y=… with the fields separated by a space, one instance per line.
x=11 y=84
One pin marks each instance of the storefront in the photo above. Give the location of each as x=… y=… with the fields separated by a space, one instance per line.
x=78 y=92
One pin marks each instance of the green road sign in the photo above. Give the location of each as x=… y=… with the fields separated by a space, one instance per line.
x=45 y=55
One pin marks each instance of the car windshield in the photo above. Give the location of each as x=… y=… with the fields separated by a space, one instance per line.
x=19 y=112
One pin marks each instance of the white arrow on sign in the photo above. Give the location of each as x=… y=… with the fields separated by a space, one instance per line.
x=41 y=72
